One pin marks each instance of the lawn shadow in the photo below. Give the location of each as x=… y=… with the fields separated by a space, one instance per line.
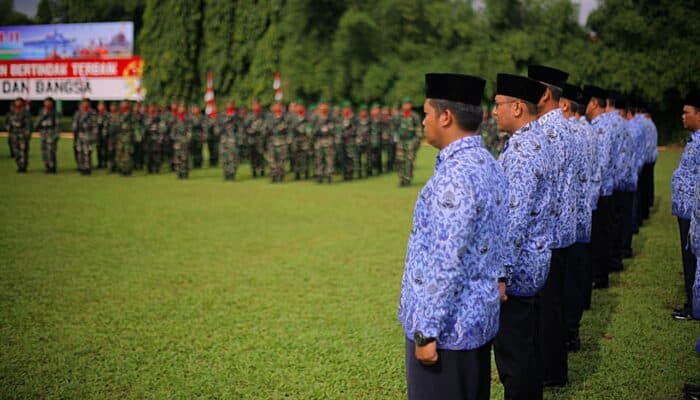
x=594 y=332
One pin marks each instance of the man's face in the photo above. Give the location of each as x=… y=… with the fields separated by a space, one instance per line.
x=229 y=104
x=406 y=106
x=431 y=126
x=503 y=113
x=181 y=109
x=196 y=110
x=375 y=112
x=48 y=104
x=323 y=109
x=691 y=118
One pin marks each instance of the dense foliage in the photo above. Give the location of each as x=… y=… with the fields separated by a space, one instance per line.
x=378 y=51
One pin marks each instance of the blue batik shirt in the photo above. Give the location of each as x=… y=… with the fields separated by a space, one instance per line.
x=584 y=159
x=450 y=283
x=595 y=162
x=526 y=160
x=652 y=138
x=638 y=131
x=694 y=238
x=623 y=147
x=685 y=178
x=557 y=130
x=605 y=153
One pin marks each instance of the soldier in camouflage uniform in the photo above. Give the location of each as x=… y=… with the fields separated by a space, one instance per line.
x=213 y=136
x=489 y=134
x=113 y=127
x=102 y=135
x=19 y=127
x=47 y=125
x=278 y=143
x=169 y=116
x=197 y=125
x=389 y=137
x=364 y=150
x=256 y=130
x=181 y=143
x=85 y=133
x=300 y=128
x=348 y=136
x=137 y=115
x=128 y=128
x=376 y=133
x=230 y=126
x=324 y=150
x=408 y=134
x=154 y=129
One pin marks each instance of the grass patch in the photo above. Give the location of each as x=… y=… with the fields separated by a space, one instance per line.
x=149 y=287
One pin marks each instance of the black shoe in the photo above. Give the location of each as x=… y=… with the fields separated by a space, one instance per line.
x=691 y=391
x=682 y=316
x=627 y=254
x=554 y=383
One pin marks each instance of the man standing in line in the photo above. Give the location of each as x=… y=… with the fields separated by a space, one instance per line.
x=47 y=125
x=449 y=293
x=526 y=161
x=19 y=126
x=85 y=134
x=685 y=177
x=408 y=139
x=102 y=135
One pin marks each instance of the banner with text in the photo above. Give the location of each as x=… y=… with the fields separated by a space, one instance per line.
x=103 y=79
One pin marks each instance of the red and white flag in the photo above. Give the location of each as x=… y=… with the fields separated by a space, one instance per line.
x=277 y=85
x=209 y=96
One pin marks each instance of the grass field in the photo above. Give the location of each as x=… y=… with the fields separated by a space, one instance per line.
x=150 y=287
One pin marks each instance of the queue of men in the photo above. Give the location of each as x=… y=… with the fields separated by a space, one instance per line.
x=504 y=254
x=315 y=144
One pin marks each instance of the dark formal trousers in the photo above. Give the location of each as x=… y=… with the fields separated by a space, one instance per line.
x=552 y=332
x=458 y=375
x=577 y=276
x=601 y=237
x=689 y=262
x=624 y=210
x=516 y=349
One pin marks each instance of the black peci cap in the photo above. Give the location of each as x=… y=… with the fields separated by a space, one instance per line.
x=692 y=99
x=520 y=87
x=454 y=87
x=595 y=91
x=548 y=75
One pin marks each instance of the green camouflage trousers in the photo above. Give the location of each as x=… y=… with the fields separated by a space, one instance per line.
x=20 y=149
x=277 y=157
x=324 y=157
x=229 y=156
x=301 y=156
x=48 y=151
x=124 y=157
x=83 y=152
x=181 y=159
x=405 y=157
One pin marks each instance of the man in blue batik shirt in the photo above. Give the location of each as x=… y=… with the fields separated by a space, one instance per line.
x=692 y=391
x=526 y=160
x=449 y=306
x=601 y=230
x=568 y=160
x=638 y=131
x=683 y=182
x=650 y=155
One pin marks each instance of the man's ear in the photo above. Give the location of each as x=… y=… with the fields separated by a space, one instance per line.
x=445 y=118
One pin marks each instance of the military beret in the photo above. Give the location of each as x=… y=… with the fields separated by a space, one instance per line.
x=407 y=99
x=455 y=87
x=548 y=75
x=520 y=87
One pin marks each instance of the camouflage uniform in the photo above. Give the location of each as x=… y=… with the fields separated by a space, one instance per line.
x=489 y=134
x=213 y=138
x=85 y=134
x=277 y=146
x=230 y=126
x=125 y=143
x=408 y=137
x=299 y=127
x=324 y=148
x=197 y=125
x=348 y=135
x=256 y=131
x=167 y=145
x=19 y=125
x=376 y=133
x=182 y=136
x=389 y=140
x=137 y=145
x=47 y=125
x=113 y=127
x=364 y=150
x=102 y=139
x=154 y=129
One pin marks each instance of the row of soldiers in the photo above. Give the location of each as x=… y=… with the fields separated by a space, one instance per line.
x=315 y=143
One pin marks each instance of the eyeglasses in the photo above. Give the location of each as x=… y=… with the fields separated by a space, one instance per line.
x=496 y=104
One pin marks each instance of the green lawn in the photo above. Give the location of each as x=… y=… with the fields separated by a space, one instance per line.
x=150 y=287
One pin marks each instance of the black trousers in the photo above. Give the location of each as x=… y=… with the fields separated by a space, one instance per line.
x=516 y=349
x=587 y=285
x=601 y=236
x=624 y=213
x=576 y=277
x=458 y=375
x=689 y=262
x=552 y=329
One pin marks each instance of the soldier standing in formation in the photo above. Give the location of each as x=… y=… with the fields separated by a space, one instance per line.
x=376 y=133
x=153 y=131
x=197 y=125
x=213 y=136
x=85 y=134
x=347 y=140
x=277 y=143
x=182 y=136
x=408 y=137
x=324 y=148
x=301 y=142
x=125 y=139
x=102 y=135
x=19 y=127
x=47 y=125
x=364 y=150
x=137 y=115
x=255 y=132
x=230 y=137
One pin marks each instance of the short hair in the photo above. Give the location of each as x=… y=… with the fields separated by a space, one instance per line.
x=575 y=107
x=468 y=116
x=600 y=102
x=532 y=108
x=557 y=92
x=611 y=102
